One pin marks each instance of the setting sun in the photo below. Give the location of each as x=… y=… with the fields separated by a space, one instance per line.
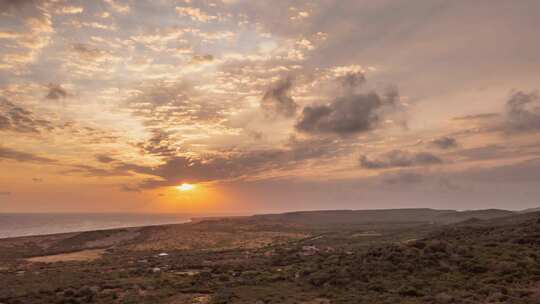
x=183 y=151
x=185 y=187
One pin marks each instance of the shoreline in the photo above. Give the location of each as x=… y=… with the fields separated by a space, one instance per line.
x=192 y=220
x=111 y=228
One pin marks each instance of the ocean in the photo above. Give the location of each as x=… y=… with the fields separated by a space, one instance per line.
x=26 y=224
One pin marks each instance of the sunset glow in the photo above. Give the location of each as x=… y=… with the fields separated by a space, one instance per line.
x=283 y=105
x=261 y=151
x=185 y=187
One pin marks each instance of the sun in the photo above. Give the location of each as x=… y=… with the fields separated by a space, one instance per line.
x=185 y=187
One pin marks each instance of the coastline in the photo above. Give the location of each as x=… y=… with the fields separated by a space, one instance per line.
x=80 y=223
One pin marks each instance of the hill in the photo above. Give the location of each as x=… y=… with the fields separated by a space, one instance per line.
x=417 y=215
x=319 y=257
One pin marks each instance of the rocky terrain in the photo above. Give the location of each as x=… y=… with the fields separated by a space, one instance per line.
x=339 y=257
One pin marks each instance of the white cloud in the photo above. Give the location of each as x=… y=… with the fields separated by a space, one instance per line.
x=70 y=10
x=195 y=14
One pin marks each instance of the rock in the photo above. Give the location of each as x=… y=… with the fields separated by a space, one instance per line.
x=409 y=291
x=86 y=292
x=309 y=250
x=444 y=298
x=69 y=292
x=94 y=289
x=156 y=269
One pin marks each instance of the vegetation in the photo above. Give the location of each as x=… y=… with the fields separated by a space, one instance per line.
x=494 y=260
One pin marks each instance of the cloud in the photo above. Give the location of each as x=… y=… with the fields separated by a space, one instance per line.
x=399 y=158
x=162 y=94
x=518 y=172
x=523 y=112
x=56 y=92
x=237 y=164
x=277 y=100
x=352 y=80
x=5 y=123
x=10 y=154
x=521 y=115
x=91 y=171
x=352 y=111
x=346 y=115
x=159 y=144
x=403 y=178
x=118 y=7
x=444 y=142
x=255 y=135
x=95 y=25
x=88 y=52
x=185 y=169
x=17 y=119
x=6 y=5
x=300 y=16
x=446 y=184
x=481 y=116
x=486 y=152
x=27 y=37
x=5 y=193
x=199 y=59
x=177 y=103
x=69 y=10
x=128 y=188
x=104 y=158
x=500 y=151
x=195 y=14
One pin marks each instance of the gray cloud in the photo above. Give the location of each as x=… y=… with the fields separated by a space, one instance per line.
x=521 y=115
x=185 y=169
x=91 y=171
x=7 y=5
x=447 y=184
x=444 y=142
x=161 y=95
x=104 y=158
x=256 y=135
x=399 y=158
x=523 y=112
x=128 y=188
x=499 y=151
x=18 y=119
x=5 y=123
x=10 y=154
x=56 y=91
x=88 y=52
x=237 y=164
x=160 y=104
x=159 y=144
x=486 y=152
x=347 y=115
x=403 y=178
x=481 y=116
x=514 y=173
x=277 y=99
x=352 y=80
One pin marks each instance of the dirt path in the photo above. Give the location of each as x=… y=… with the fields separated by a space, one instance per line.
x=84 y=255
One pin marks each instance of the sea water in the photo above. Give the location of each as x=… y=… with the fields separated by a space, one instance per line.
x=26 y=224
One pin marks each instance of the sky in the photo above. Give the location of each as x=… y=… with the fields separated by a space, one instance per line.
x=268 y=106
